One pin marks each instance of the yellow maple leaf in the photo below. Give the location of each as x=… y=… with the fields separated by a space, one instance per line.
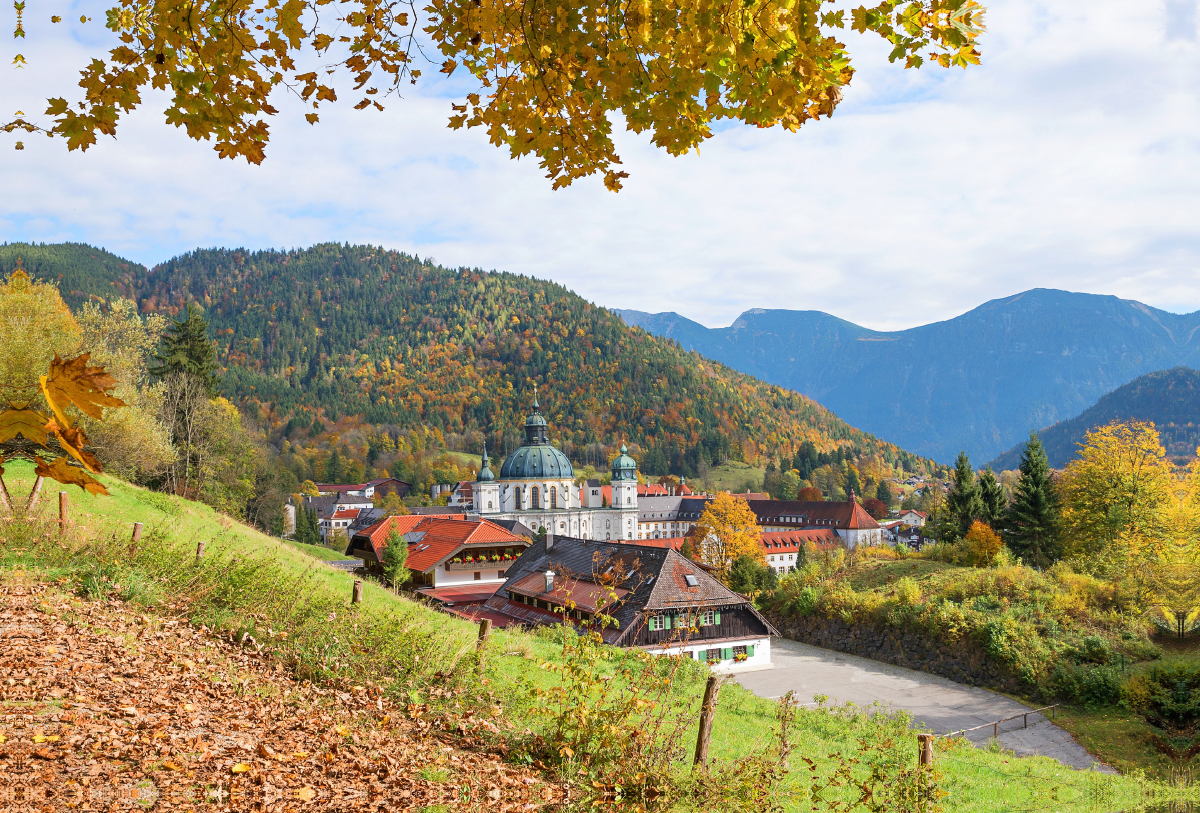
x=241 y=767
x=25 y=422
x=67 y=474
x=72 y=381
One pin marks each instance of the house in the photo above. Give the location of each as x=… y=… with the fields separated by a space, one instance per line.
x=374 y=488
x=912 y=517
x=781 y=549
x=853 y=525
x=338 y=520
x=658 y=600
x=443 y=550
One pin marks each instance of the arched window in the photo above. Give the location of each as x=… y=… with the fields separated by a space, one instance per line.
x=517 y=503
x=535 y=498
x=489 y=505
x=553 y=497
x=628 y=500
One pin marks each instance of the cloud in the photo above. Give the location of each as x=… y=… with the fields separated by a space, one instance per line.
x=1068 y=159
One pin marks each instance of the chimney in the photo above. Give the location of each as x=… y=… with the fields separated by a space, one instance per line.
x=549 y=539
x=549 y=581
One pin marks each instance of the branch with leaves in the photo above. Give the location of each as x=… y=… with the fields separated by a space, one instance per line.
x=550 y=76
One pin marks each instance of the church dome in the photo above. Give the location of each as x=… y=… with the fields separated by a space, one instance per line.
x=536 y=459
x=536 y=462
x=624 y=467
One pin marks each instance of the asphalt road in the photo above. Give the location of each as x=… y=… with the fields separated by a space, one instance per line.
x=941 y=704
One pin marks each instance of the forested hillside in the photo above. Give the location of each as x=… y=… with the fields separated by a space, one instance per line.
x=1168 y=398
x=336 y=332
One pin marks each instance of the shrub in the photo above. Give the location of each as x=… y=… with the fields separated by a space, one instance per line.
x=908 y=592
x=806 y=602
x=1086 y=684
x=980 y=546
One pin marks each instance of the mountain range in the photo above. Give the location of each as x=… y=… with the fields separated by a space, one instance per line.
x=978 y=382
x=339 y=331
x=1169 y=398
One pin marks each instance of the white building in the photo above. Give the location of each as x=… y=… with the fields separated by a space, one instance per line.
x=536 y=487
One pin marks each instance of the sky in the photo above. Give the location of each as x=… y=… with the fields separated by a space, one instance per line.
x=1068 y=159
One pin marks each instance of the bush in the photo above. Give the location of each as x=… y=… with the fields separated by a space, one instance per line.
x=908 y=592
x=1086 y=685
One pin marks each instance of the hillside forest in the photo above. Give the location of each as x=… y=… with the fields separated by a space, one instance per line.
x=340 y=363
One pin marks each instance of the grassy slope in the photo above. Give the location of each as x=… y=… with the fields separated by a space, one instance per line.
x=977 y=780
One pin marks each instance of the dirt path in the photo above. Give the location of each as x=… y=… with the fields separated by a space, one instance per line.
x=102 y=708
x=939 y=703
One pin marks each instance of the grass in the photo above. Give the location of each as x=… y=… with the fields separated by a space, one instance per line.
x=318 y=552
x=872 y=573
x=249 y=582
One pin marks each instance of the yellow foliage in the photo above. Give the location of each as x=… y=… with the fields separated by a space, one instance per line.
x=981 y=545
x=726 y=530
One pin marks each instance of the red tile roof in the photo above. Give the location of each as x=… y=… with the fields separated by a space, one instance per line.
x=444 y=537
x=377 y=534
x=346 y=513
x=672 y=542
x=793 y=540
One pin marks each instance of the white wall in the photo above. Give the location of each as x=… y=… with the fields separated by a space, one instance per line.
x=761 y=658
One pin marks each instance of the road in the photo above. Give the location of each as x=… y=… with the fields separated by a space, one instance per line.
x=941 y=704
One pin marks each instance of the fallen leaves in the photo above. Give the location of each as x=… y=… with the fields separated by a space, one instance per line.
x=246 y=729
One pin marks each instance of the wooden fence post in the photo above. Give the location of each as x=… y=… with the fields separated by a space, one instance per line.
x=925 y=750
x=485 y=631
x=137 y=534
x=708 y=709
x=356 y=596
x=199 y=550
x=62 y=513
x=33 y=495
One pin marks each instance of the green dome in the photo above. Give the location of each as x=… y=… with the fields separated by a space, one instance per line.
x=485 y=474
x=624 y=467
x=536 y=459
x=535 y=462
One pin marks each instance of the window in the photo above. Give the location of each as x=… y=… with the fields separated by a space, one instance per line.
x=739 y=650
x=478 y=575
x=708 y=618
x=553 y=497
x=657 y=622
x=712 y=654
x=500 y=574
x=535 y=498
x=489 y=505
x=691 y=580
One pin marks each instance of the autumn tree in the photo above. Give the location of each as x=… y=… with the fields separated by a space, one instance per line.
x=548 y=81
x=875 y=508
x=980 y=545
x=727 y=529
x=1118 y=497
x=1031 y=523
x=810 y=494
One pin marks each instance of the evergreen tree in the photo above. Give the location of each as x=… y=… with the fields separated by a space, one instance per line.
x=883 y=493
x=1031 y=526
x=963 y=502
x=186 y=348
x=333 y=467
x=852 y=483
x=395 y=559
x=991 y=495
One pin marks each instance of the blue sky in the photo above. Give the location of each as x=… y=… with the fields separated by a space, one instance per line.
x=1068 y=159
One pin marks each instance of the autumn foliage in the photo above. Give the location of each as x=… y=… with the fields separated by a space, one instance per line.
x=727 y=529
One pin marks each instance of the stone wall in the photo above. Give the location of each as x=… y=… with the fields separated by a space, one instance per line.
x=963 y=661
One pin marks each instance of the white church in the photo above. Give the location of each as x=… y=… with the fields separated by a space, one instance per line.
x=537 y=488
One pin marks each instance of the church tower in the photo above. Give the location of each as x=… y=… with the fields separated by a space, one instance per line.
x=487 y=491
x=624 y=491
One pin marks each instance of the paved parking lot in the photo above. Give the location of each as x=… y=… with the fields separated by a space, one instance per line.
x=939 y=703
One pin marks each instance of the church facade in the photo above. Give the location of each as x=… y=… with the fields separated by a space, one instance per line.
x=536 y=487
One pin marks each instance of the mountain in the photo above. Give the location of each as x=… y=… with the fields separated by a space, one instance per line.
x=1169 y=398
x=339 y=330
x=978 y=382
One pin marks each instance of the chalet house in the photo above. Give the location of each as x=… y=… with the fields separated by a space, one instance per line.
x=443 y=550
x=913 y=518
x=338 y=520
x=660 y=601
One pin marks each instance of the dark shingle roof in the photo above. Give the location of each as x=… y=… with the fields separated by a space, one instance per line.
x=654 y=577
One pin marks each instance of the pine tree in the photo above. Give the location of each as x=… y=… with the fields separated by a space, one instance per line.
x=1031 y=527
x=883 y=493
x=395 y=559
x=186 y=348
x=853 y=484
x=991 y=495
x=963 y=502
x=333 y=467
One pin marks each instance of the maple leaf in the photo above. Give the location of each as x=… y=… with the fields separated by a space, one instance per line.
x=73 y=440
x=25 y=422
x=61 y=471
x=74 y=382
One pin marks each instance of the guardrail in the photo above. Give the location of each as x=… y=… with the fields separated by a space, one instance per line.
x=996 y=725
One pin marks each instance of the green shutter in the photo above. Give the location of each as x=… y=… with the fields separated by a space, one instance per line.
x=750 y=650
x=666 y=622
x=727 y=653
x=717 y=617
x=700 y=655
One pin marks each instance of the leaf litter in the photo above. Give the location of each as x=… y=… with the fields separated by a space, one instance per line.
x=102 y=708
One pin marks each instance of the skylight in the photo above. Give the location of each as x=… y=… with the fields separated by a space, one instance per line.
x=691 y=580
